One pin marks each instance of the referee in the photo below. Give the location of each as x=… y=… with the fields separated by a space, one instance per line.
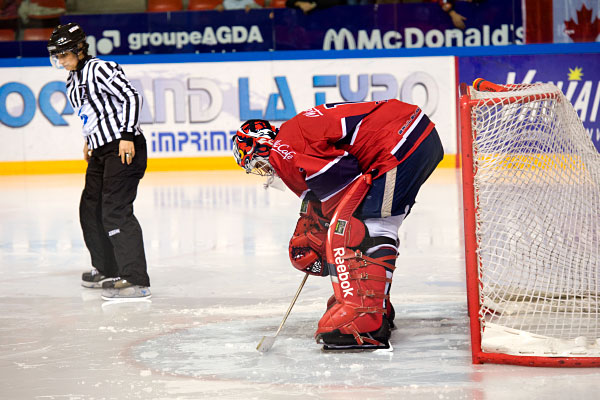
x=115 y=150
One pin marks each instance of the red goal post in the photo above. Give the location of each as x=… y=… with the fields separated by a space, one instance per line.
x=531 y=197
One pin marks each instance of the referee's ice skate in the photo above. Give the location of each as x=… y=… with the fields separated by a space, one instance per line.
x=124 y=291
x=93 y=279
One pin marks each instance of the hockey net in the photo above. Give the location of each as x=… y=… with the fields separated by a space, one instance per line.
x=531 y=192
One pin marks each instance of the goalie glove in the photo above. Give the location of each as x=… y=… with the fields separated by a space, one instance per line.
x=307 y=245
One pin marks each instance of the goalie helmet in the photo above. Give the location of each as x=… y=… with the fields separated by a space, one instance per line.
x=251 y=146
x=64 y=39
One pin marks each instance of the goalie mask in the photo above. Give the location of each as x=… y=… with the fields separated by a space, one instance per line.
x=251 y=146
x=69 y=38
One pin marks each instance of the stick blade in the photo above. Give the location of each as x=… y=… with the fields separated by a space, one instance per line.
x=265 y=344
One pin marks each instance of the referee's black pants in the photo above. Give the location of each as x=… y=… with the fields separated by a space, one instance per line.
x=111 y=232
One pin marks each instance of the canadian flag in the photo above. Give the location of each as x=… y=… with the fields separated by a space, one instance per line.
x=561 y=21
x=584 y=26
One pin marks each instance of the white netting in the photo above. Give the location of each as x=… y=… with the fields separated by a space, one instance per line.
x=537 y=199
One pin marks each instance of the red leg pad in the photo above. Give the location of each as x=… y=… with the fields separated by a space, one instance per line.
x=359 y=308
x=345 y=318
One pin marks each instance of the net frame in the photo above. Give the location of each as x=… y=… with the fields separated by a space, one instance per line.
x=533 y=348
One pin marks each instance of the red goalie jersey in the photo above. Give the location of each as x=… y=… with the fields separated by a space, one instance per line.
x=324 y=149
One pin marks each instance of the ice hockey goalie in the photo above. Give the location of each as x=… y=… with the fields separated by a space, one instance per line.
x=358 y=168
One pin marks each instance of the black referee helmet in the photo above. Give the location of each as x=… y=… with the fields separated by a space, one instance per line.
x=66 y=38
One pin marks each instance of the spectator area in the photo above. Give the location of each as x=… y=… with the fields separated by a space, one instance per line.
x=34 y=19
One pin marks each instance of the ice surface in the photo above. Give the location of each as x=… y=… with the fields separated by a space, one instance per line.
x=216 y=244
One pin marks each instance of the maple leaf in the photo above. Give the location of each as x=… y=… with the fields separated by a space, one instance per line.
x=585 y=30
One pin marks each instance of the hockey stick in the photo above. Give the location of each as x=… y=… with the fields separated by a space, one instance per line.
x=267 y=341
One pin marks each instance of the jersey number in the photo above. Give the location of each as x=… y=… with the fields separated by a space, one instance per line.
x=83 y=117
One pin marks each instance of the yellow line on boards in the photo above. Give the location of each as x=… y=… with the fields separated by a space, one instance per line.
x=449 y=161
x=154 y=164
x=41 y=167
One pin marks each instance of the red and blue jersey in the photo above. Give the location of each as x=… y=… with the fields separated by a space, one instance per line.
x=324 y=149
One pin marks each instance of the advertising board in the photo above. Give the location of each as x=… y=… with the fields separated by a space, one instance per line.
x=191 y=109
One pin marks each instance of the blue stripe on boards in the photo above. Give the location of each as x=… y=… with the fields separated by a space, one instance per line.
x=552 y=48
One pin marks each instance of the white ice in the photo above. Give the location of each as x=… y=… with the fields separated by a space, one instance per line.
x=216 y=244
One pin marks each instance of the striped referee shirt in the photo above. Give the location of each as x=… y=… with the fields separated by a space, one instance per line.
x=107 y=103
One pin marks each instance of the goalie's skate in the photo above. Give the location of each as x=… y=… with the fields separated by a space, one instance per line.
x=387 y=348
x=376 y=340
